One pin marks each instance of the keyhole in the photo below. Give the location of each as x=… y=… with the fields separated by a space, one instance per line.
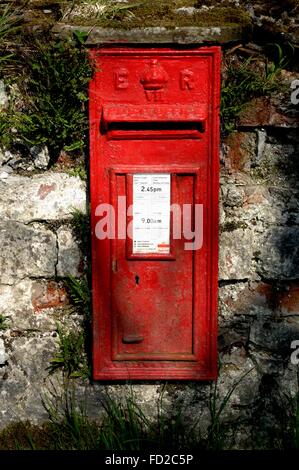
x=137 y=280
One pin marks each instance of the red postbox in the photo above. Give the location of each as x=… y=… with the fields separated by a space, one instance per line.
x=154 y=139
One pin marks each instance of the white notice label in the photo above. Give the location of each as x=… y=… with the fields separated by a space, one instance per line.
x=151 y=213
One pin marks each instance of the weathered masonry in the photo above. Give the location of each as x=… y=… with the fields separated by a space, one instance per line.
x=43 y=201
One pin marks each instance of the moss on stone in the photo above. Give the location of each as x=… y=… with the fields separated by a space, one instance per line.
x=276 y=8
x=24 y=435
x=233 y=225
x=163 y=14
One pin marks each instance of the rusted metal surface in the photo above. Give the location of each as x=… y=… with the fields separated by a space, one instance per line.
x=155 y=111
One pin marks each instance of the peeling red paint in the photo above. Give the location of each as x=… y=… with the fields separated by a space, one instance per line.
x=289 y=300
x=46 y=189
x=48 y=295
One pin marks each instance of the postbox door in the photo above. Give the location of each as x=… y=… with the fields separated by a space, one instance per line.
x=152 y=284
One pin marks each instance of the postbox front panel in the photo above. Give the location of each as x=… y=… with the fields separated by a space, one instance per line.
x=154 y=209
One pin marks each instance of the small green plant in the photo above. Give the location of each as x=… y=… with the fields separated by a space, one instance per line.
x=3 y=324
x=7 y=123
x=80 y=295
x=81 y=226
x=80 y=36
x=78 y=170
x=274 y=68
x=9 y=19
x=243 y=82
x=4 y=130
x=56 y=90
x=70 y=357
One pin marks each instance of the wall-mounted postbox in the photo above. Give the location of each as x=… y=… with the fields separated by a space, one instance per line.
x=154 y=206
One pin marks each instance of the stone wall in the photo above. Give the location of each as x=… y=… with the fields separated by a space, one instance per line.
x=38 y=250
x=258 y=269
x=258 y=282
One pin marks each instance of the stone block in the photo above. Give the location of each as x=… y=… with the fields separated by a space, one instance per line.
x=40 y=157
x=236 y=251
x=277 y=253
x=35 y=305
x=49 y=196
x=69 y=254
x=273 y=336
x=26 y=251
x=26 y=379
x=239 y=377
x=3 y=355
x=243 y=298
x=154 y=35
x=265 y=111
x=259 y=207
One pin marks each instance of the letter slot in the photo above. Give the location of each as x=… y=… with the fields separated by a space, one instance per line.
x=153 y=121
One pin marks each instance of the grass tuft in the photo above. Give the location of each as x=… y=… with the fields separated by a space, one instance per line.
x=123 y=425
x=70 y=357
x=9 y=25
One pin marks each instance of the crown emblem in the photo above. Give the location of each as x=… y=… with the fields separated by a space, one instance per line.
x=154 y=80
